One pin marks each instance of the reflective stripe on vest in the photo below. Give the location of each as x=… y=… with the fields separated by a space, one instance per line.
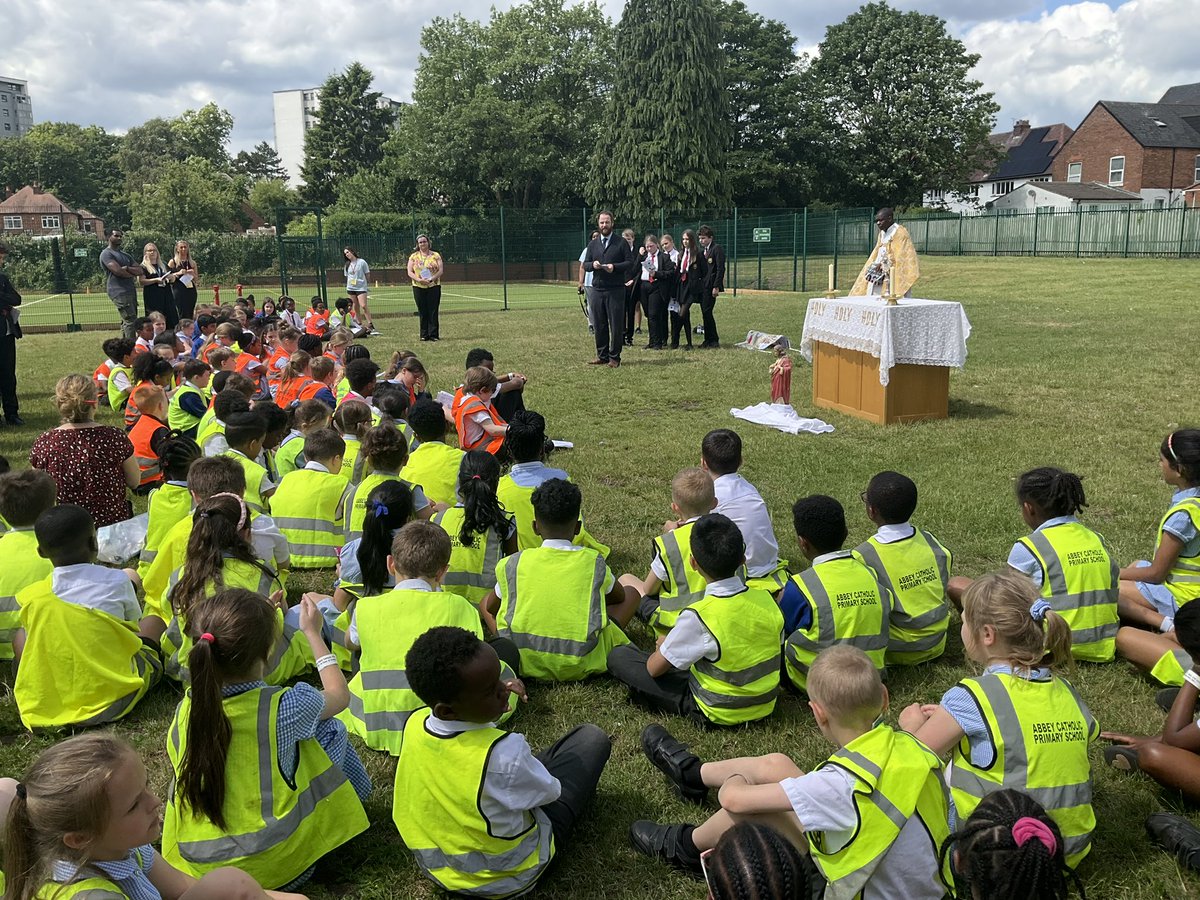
x=1084 y=592
x=540 y=643
x=472 y=571
x=178 y=417
x=278 y=837
x=919 y=612
x=684 y=585
x=486 y=441
x=117 y=397
x=308 y=508
x=1053 y=712
x=22 y=567
x=1183 y=580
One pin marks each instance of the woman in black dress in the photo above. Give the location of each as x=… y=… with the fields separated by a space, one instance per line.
x=187 y=277
x=156 y=286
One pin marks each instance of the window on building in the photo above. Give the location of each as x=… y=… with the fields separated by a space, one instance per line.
x=972 y=190
x=1000 y=188
x=7 y=127
x=1116 y=170
x=50 y=222
x=12 y=222
x=1041 y=178
x=6 y=112
x=1075 y=171
x=3 y=98
x=1196 y=174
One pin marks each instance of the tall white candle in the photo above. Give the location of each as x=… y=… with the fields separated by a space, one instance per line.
x=831 y=277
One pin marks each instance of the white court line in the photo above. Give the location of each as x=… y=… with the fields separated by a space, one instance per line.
x=472 y=297
x=43 y=300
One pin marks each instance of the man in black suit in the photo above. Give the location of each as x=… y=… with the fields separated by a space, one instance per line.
x=657 y=278
x=714 y=284
x=9 y=332
x=612 y=264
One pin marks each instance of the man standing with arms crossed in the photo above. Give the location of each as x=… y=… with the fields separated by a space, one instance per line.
x=714 y=284
x=611 y=263
x=122 y=280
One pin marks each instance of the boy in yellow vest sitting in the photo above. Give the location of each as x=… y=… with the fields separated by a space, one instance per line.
x=911 y=564
x=720 y=663
x=384 y=626
x=309 y=506
x=873 y=816
x=170 y=501
x=24 y=496
x=480 y=812
x=673 y=583
x=837 y=599
x=79 y=658
x=433 y=464
x=559 y=603
x=228 y=401
x=245 y=433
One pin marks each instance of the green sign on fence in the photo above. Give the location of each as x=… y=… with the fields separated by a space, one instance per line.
x=81 y=252
x=762 y=235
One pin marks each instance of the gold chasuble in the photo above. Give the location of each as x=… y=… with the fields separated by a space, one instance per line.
x=894 y=254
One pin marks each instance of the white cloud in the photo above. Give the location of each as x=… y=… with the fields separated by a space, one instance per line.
x=159 y=58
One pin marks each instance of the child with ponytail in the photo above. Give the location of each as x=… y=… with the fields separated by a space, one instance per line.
x=1018 y=725
x=242 y=750
x=1153 y=590
x=352 y=420
x=481 y=531
x=82 y=823
x=221 y=556
x=170 y=502
x=1009 y=847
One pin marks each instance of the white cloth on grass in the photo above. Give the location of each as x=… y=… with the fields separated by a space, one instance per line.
x=781 y=417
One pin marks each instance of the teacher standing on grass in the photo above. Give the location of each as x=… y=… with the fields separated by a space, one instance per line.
x=123 y=274
x=425 y=268
x=185 y=278
x=611 y=261
x=356 y=272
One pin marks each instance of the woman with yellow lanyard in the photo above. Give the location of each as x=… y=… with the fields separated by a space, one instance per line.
x=425 y=269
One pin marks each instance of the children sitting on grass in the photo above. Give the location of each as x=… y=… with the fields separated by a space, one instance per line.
x=912 y=566
x=720 y=662
x=170 y=501
x=837 y=599
x=309 y=506
x=481 y=530
x=190 y=401
x=873 y=816
x=79 y=658
x=479 y=425
x=114 y=376
x=433 y=464
x=148 y=434
x=24 y=496
x=309 y=416
x=245 y=433
x=479 y=811
x=673 y=582
x=386 y=452
x=559 y=603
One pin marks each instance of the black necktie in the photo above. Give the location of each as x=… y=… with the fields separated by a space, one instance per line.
x=605 y=240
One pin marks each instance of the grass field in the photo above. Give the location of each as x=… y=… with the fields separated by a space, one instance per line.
x=1081 y=364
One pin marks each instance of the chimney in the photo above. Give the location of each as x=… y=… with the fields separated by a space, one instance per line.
x=1020 y=128
x=37 y=187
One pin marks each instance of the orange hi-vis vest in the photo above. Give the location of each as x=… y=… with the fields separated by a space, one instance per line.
x=100 y=376
x=132 y=413
x=289 y=391
x=275 y=371
x=469 y=407
x=147 y=460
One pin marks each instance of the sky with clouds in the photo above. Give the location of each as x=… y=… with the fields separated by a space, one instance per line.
x=1045 y=60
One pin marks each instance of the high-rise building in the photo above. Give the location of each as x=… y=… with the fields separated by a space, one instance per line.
x=295 y=113
x=16 y=113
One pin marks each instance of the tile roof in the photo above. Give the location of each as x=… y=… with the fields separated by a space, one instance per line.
x=1031 y=153
x=26 y=200
x=1158 y=124
x=1183 y=93
x=1086 y=190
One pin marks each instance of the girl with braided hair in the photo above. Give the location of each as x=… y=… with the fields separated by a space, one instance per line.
x=1010 y=847
x=171 y=501
x=754 y=862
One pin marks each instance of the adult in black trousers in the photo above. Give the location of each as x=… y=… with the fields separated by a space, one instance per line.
x=634 y=290
x=693 y=275
x=657 y=278
x=9 y=332
x=714 y=284
x=612 y=264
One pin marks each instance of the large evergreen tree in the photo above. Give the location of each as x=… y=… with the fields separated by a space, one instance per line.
x=348 y=136
x=665 y=132
x=260 y=164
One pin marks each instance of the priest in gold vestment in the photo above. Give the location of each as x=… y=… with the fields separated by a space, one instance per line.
x=894 y=261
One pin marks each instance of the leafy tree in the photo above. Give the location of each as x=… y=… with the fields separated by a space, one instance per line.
x=506 y=111
x=268 y=193
x=187 y=196
x=144 y=149
x=893 y=93
x=766 y=163
x=666 y=135
x=261 y=163
x=74 y=163
x=203 y=134
x=348 y=135
x=196 y=133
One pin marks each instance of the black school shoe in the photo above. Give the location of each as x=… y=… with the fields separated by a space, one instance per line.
x=664 y=842
x=1176 y=835
x=671 y=757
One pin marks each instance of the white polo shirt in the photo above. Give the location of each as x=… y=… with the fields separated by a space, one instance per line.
x=740 y=501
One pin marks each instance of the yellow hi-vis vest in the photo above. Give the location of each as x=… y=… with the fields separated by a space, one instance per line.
x=684 y=585
x=1183 y=581
x=289 y=455
x=1040 y=731
x=552 y=607
x=169 y=504
x=22 y=567
x=916 y=570
x=89 y=884
x=895 y=777
x=517 y=500
x=1079 y=578
x=117 y=397
x=741 y=684
x=309 y=507
x=206 y=431
x=848 y=607
x=434 y=466
x=388 y=625
x=276 y=826
x=351 y=461
x=80 y=666
x=178 y=417
x=472 y=569
x=255 y=473
x=291 y=654
x=436 y=810
x=356 y=501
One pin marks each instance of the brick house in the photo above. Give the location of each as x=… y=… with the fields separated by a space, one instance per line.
x=39 y=213
x=1151 y=149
